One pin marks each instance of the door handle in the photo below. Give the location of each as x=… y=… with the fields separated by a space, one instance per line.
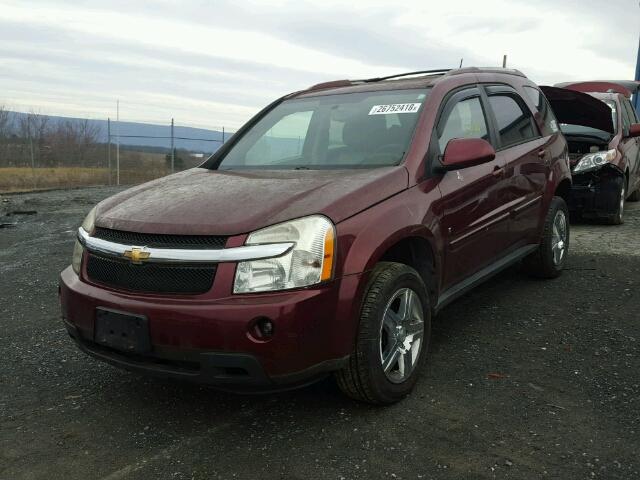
x=542 y=153
x=497 y=171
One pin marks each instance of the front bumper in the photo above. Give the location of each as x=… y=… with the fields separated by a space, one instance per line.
x=207 y=340
x=596 y=194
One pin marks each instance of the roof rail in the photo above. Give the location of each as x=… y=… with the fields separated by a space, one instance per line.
x=389 y=77
x=331 y=84
x=507 y=71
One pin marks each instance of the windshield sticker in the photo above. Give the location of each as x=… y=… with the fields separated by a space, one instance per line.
x=395 y=108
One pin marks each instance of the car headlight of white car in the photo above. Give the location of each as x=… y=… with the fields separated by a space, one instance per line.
x=310 y=261
x=78 y=250
x=593 y=161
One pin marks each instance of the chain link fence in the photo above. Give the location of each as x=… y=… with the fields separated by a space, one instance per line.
x=40 y=151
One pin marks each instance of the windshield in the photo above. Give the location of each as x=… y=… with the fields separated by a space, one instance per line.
x=355 y=130
x=580 y=130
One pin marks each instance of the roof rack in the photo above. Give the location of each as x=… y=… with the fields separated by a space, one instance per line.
x=399 y=75
x=445 y=71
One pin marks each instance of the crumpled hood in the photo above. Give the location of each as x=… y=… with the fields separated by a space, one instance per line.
x=212 y=202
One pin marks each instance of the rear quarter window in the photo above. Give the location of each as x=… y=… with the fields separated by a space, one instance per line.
x=548 y=119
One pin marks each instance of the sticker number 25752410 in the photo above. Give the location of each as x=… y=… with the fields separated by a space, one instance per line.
x=394 y=108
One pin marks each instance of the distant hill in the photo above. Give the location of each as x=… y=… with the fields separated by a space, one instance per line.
x=207 y=141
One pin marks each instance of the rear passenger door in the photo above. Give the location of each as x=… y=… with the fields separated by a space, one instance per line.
x=472 y=210
x=521 y=148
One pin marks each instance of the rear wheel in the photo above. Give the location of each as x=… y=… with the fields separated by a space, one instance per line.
x=635 y=196
x=548 y=261
x=393 y=337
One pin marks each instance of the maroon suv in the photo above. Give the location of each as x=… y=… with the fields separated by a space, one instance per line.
x=325 y=234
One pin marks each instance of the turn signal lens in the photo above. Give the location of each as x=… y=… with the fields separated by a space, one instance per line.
x=329 y=248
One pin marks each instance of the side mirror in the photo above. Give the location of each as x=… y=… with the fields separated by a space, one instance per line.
x=634 y=130
x=467 y=152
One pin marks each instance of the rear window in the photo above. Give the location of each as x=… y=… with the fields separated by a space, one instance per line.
x=355 y=130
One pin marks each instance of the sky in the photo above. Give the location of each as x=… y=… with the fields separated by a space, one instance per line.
x=216 y=63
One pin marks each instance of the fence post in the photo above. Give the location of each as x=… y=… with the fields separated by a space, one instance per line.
x=33 y=161
x=173 y=150
x=117 y=142
x=109 y=147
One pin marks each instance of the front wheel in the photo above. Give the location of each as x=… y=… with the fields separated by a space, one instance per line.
x=618 y=217
x=393 y=337
x=549 y=259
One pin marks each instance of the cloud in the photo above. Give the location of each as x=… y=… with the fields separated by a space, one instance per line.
x=216 y=63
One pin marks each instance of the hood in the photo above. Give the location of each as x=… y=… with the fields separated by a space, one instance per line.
x=625 y=87
x=576 y=108
x=214 y=202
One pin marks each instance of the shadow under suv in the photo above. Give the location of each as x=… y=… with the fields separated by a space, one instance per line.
x=325 y=234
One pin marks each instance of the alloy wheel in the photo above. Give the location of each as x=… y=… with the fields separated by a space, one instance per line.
x=559 y=237
x=401 y=335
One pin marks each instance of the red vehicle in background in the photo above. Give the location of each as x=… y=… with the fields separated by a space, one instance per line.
x=323 y=236
x=605 y=157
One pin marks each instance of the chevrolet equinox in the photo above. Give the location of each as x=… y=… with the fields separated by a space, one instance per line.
x=325 y=234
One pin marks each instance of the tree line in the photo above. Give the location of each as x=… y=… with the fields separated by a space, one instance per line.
x=34 y=140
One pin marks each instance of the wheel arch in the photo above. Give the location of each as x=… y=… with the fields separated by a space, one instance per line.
x=415 y=247
x=563 y=190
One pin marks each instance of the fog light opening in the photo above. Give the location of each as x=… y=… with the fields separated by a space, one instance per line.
x=262 y=328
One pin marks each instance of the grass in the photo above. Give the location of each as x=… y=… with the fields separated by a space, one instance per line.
x=22 y=179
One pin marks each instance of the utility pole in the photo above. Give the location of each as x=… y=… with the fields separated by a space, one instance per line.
x=636 y=100
x=223 y=135
x=173 y=150
x=117 y=142
x=109 y=147
x=504 y=61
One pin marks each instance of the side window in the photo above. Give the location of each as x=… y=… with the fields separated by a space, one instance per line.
x=283 y=141
x=633 y=115
x=466 y=120
x=514 y=123
x=543 y=107
x=626 y=121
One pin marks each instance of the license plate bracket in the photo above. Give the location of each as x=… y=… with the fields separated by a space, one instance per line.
x=122 y=331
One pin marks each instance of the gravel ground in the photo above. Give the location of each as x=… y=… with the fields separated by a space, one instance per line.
x=526 y=379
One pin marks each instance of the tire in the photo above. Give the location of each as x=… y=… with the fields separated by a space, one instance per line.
x=635 y=196
x=618 y=216
x=363 y=378
x=549 y=259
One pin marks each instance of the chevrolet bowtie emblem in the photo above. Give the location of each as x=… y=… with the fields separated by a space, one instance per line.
x=137 y=254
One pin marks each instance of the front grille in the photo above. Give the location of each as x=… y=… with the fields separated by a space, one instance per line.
x=158 y=240
x=150 y=277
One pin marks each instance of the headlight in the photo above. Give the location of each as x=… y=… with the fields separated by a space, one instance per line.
x=76 y=260
x=89 y=221
x=87 y=225
x=594 y=161
x=309 y=262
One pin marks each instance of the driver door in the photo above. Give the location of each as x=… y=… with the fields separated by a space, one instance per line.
x=473 y=208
